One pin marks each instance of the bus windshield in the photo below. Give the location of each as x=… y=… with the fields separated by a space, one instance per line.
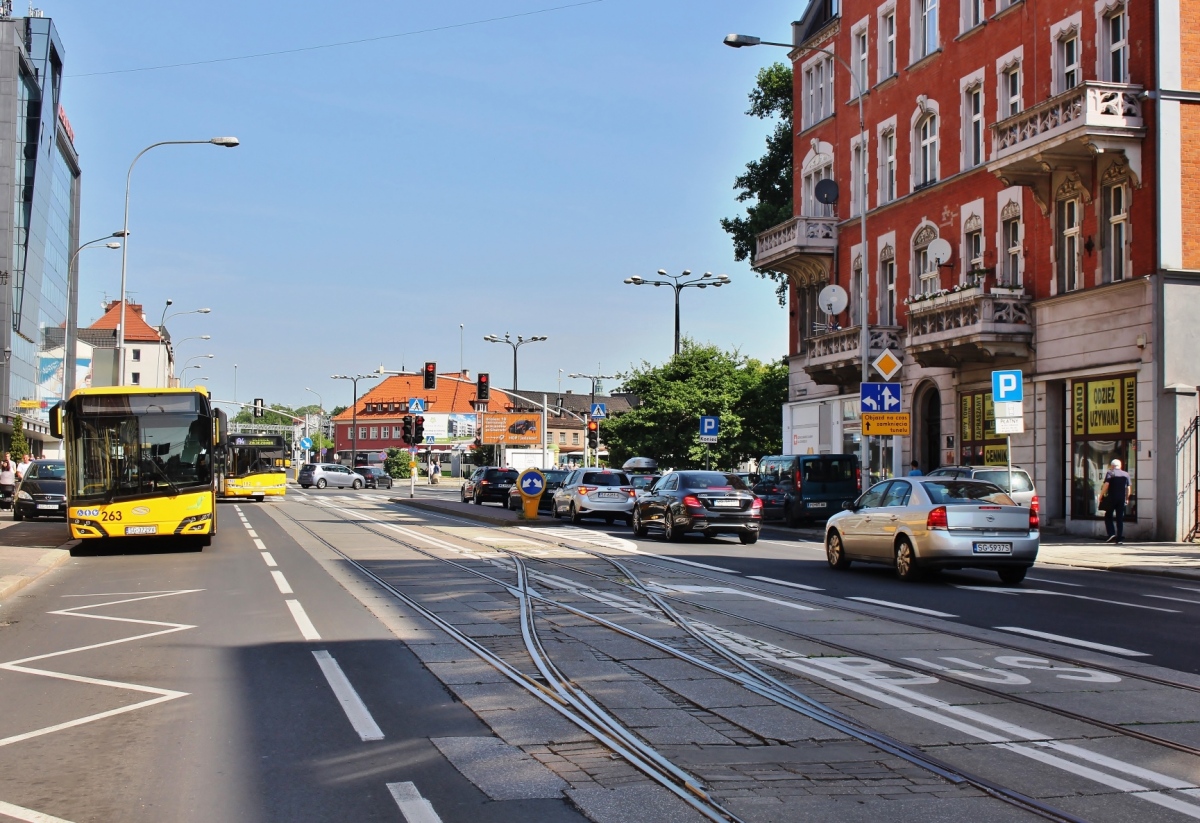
x=126 y=456
x=246 y=460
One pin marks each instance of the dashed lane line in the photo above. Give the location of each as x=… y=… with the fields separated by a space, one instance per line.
x=785 y=583
x=284 y=586
x=415 y=808
x=1054 y=582
x=258 y=544
x=268 y=559
x=307 y=629
x=1175 y=599
x=29 y=815
x=1014 y=590
x=356 y=711
x=251 y=532
x=891 y=605
x=1071 y=641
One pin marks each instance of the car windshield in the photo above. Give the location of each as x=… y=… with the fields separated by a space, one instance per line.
x=51 y=471
x=716 y=481
x=966 y=491
x=642 y=481
x=1020 y=480
x=605 y=479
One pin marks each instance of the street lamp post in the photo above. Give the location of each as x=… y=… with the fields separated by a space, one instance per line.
x=353 y=412
x=516 y=344
x=197 y=380
x=227 y=142
x=738 y=41
x=182 y=379
x=72 y=311
x=679 y=282
x=320 y=412
x=594 y=378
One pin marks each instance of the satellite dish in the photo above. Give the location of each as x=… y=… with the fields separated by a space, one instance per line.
x=940 y=251
x=826 y=192
x=833 y=299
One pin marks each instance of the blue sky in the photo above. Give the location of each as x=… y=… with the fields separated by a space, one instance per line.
x=507 y=176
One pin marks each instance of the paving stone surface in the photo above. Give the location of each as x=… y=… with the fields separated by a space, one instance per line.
x=501 y=771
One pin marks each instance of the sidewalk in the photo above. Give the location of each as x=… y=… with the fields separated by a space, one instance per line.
x=36 y=551
x=1168 y=559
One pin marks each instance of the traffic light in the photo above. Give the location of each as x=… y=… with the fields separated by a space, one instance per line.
x=408 y=430
x=483 y=387
x=593 y=433
x=431 y=376
x=418 y=430
x=258 y=407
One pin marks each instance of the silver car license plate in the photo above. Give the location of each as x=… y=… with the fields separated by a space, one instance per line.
x=993 y=548
x=727 y=504
x=141 y=530
x=610 y=495
x=817 y=505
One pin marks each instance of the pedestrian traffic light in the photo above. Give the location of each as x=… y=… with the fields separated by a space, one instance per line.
x=593 y=433
x=431 y=376
x=408 y=430
x=483 y=387
x=418 y=430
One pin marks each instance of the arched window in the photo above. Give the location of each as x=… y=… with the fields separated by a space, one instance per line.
x=925 y=267
x=1068 y=223
x=1010 y=237
x=926 y=141
x=887 y=286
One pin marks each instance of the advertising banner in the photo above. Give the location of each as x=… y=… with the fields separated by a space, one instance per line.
x=512 y=429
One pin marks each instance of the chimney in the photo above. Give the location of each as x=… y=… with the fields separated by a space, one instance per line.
x=466 y=374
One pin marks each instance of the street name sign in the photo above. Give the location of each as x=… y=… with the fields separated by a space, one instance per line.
x=710 y=429
x=879 y=424
x=880 y=397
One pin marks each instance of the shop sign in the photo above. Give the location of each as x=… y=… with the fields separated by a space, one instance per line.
x=1106 y=406
x=1130 y=405
x=995 y=455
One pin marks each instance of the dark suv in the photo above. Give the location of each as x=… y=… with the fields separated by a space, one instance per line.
x=374 y=477
x=489 y=483
x=806 y=486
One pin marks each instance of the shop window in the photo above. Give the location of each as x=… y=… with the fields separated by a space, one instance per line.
x=1103 y=428
x=980 y=445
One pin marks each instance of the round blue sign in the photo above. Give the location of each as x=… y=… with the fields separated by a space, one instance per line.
x=531 y=483
x=306 y=443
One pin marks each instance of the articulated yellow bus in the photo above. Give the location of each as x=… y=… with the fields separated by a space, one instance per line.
x=140 y=462
x=254 y=465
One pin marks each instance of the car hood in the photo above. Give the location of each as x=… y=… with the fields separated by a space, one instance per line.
x=45 y=486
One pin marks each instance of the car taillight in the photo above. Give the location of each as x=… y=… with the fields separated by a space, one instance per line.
x=937 y=519
x=1034 y=506
x=858 y=479
x=585 y=489
x=757 y=504
x=1035 y=520
x=484 y=482
x=798 y=481
x=632 y=492
x=692 y=502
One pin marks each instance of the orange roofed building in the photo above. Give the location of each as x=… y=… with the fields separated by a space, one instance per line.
x=149 y=360
x=449 y=413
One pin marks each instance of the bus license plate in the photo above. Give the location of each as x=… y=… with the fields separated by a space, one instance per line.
x=141 y=530
x=993 y=548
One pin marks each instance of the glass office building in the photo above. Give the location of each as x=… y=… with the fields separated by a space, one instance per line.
x=39 y=169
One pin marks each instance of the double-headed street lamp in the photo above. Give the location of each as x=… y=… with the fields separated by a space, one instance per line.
x=72 y=310
x=679 y=282
x=353 y=412
x=516 y=344
x=320 y=411
x=594 y=378
x=227 y=142
x=738 y=41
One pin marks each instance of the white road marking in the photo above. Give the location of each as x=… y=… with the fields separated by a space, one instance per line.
x=674 y=560
x=356 y=711
x=1176 y=599
x=1071 y=641
x=811 y=545
x=21 y=813
x=1003 y=590
x=1054 y=582
x=1186 y=588
x=415 y=808
x=674 y=587
x=786 y=583
x=307 y=629
x=270 y=561
x=258 y=544
x=251 y=532
x=281 y=582
x=891 y=605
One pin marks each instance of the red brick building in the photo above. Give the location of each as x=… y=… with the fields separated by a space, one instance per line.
x=1055 y=146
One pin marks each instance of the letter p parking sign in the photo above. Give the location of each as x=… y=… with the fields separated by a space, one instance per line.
x=1008 y=386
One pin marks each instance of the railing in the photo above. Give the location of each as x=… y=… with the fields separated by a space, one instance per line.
x=1187 y=463
x=968 y=312
x=796 y=235
x=1092 y=104
x=845 y=342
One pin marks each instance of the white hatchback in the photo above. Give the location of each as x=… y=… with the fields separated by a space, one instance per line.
x=595 y=493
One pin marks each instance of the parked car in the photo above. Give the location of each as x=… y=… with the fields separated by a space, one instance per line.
x=42 y=491
x=374 y=477
x=605 y=493
x=707 y=502
x=489 y=483
x=328 y=474
x=922 y=523
x=1022 y=489
x=554 y=479
x=799 y=487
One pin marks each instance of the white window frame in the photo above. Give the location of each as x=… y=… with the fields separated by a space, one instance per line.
x=974 y=114
x=1109 y=48
x=928 y=279
x=972 y=15
x=1065 y=30
x=1115 y=225
x=135 y=378
x=1070 y=243
x=374 y=433
x=856 y=273
x=817 y=165
x=860 y=57
x=887 y=42
x=887 y=165
x=858 y=175
x=925 y=150
x=818 y=74
x=886 y=294
x=1010 y=72
x=925 y=32
x=972 y=238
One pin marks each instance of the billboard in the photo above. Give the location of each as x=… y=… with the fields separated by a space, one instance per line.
x=448 y=428
x=512 y=429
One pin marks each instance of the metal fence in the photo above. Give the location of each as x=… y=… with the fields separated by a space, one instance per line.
x=1187 y=466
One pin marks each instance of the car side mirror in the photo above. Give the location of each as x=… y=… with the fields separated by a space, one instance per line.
x=848 y=505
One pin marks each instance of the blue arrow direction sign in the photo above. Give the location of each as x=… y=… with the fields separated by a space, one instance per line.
x=599 y=411
x=1008 y=386
x=710 y=429
x=531 y=483
x=416 y=405
x=880 y=397
x=306 y=443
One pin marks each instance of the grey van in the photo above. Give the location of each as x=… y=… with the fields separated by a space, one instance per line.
x=799 y=487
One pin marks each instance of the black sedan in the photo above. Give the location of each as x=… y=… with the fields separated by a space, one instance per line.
x=554 y=479
x=374 y=477
x=42 y=491
x=706 y=502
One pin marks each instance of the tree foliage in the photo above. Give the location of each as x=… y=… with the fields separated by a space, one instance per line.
x=19 y=446
x=397 y=463
x=744 y=393
x=767 y=182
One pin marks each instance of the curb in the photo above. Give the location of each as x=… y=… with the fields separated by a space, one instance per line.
x=1154 y=571
x=479 y=517
x=51 y=559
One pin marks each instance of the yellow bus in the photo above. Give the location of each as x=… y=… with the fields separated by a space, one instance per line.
x=140 y=462
x=253 y=465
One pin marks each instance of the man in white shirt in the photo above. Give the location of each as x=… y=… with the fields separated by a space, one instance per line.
x=26 y=460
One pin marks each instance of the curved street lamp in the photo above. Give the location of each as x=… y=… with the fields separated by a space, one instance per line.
x=679 y=282
x=594 y=378
x=516 y=344
x=72 y=333
x=353 y=411
x=227 y=142
x=197 y=380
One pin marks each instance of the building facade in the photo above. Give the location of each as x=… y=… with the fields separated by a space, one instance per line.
x=1053 y=146
x=149 y=358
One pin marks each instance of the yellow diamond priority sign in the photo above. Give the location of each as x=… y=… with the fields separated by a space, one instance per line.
x=882 y=424
x=887 y=364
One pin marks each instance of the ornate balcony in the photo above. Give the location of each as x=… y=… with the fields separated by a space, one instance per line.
x=802 y=248
x=970 y=326
x=1066 y=132
x=834 y=358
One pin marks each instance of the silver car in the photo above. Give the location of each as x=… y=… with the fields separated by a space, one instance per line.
x=923 y=523
x=1022 y=489
x=328 y=474
x=595 y=493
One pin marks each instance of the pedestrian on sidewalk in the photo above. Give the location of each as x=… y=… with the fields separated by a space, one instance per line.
x=26 y=462
x=1115 y=493
x=435 y=470
x=8 y=481
x=915 y=471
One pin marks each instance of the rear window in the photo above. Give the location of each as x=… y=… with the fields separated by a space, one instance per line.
x=710 y=480
x=502 y=474
x=772 y=468
x=1020 y=480
x=307 y=467
x=604 y=479
x=555 y=476
x=966 y=491
x=829 y=470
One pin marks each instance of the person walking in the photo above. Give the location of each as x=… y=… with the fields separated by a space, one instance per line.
x=8 y=481
x=26 y=462
x=435 y=470
x=1115 y=494
x=915 y=471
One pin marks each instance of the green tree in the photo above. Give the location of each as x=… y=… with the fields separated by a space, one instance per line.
x=745 y=393
x=246 y=415
x=397 y=463
x=19 y=446
x=337 y=410
x=767 y=182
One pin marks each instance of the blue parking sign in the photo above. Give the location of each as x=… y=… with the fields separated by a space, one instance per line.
x=1008 y=386
x=710 y=428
